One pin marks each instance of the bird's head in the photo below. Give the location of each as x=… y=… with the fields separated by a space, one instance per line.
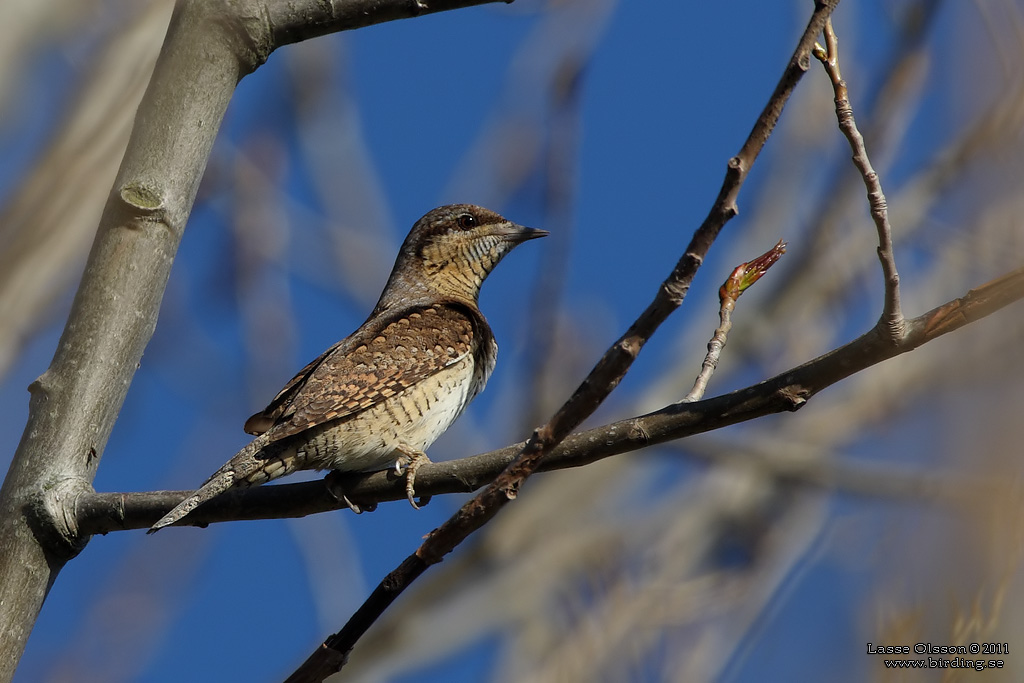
x=448 y=254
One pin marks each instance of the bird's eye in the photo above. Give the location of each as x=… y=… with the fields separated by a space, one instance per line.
x=466 y=221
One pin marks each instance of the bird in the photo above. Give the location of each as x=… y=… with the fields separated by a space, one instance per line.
x=384 y=394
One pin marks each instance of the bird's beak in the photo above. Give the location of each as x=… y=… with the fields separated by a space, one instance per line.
x=519 y=234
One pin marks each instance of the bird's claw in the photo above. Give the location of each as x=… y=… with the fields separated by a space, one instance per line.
x=337 y=491
x=408 y=463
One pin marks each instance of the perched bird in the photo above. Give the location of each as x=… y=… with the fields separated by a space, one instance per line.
x=385 y=393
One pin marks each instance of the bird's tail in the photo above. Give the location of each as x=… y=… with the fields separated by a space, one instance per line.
x=253 y=465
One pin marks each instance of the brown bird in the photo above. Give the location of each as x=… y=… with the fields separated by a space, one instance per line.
x=384 y=394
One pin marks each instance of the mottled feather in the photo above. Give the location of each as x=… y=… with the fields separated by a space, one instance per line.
x=379 y=360
x=385 y=393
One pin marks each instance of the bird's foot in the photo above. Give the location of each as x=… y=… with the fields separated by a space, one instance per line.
x=408 y=462
x=336 y=489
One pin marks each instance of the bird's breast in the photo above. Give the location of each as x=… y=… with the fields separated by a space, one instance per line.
x=413 y=418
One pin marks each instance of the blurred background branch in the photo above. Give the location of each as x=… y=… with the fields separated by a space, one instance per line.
x=885 y=510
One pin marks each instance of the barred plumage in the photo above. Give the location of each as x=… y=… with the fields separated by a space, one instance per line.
x=385 y=393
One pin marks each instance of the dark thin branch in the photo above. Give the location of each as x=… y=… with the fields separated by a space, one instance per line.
x=595 y=388
x=288 y=21
x=103 y=512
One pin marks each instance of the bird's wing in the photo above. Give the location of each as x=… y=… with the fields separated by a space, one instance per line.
x=379 y=360
x=265 y=419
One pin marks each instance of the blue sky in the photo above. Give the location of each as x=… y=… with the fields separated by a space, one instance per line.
x=669 y=94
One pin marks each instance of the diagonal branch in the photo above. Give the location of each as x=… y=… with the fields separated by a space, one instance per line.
x=605 y=376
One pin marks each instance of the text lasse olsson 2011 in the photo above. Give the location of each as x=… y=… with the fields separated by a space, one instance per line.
x=930 y=649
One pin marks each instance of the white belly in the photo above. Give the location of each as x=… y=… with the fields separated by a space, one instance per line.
x=414 y=419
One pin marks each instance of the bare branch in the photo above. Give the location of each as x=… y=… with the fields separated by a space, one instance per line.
x=99 y=513
x=75 y=402
x=892 y=316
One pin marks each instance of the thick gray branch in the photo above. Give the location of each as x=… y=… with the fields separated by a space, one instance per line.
x=209 y=47
x=75 y=402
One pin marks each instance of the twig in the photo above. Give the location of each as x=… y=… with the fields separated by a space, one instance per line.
x=742 y=277
x=887 y=100
x=892 y=316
